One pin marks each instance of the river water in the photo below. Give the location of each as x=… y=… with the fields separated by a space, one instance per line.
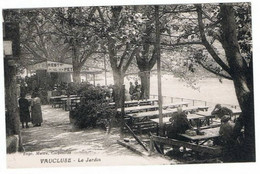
x=211 y=89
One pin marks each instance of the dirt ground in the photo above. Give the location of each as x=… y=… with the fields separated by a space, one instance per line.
x=57 y=135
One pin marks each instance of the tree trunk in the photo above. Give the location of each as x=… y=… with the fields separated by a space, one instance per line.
x=145 y=84
x=76 y=64
x=246 y=102
x=145 y=67
x=76 y=74
x=146 y=62
x=12 y=113
x=241 y=76
x=117 y=90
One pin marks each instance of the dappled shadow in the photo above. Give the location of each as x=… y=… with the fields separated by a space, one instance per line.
x=57 y=134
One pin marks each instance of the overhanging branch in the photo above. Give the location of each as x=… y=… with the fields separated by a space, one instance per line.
x=206 y=43
x=134 y=52
x=214 y=72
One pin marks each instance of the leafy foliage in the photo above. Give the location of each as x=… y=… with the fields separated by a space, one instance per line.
x=93 y=109
x=244 y=23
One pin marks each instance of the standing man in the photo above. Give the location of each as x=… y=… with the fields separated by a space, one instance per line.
x=131 y=89
x=137 y=91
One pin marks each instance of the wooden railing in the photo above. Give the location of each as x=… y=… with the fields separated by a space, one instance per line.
x=194 y=102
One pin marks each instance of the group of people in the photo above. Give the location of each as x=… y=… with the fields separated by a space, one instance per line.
x=228 y=131
x=32 y=106
x=135 y=91
x=180 y=124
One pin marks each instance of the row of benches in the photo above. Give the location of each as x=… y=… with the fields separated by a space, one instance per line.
x=144 y=121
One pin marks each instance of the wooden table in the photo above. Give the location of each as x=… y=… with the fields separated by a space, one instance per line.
x=235 y=113
x=175 y=105
x=139 y=108
x=193 y=109
x=137 y=102
x=68 y=104
x=166 y=120
x=203 y=108
x=60 y=96
x=151 y=107
x=151 y=114
x=208 y=134
x=190 y=117
x=207 y=115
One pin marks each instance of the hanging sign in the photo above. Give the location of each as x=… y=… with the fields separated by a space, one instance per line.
x=51 y=66
x=58 y=67
x=8 y=51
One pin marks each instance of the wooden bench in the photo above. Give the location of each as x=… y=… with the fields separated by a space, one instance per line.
x=141 y=121
x=216 y=151
x=56 y=101
x=143 y=126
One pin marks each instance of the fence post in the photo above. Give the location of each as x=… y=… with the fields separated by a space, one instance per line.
x=171 y=99
x=193 y=101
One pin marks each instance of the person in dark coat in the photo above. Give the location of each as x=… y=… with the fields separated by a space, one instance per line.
x=226 y=130
x=131 y=88
x=136 y=92
x=220 y=111
x=179 y=124
x=227 y=139
x=24 y=110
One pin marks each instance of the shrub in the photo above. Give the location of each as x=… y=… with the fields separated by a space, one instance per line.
x=93 y=109
x=85 y=115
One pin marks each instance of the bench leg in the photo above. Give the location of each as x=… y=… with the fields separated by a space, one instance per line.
x=151 y=147
x=139 y=129
x=162 y=148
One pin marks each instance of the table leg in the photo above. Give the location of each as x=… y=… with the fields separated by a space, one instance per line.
x=197 y=123
x=157 y=129
x=208 y=121
x=203 y=142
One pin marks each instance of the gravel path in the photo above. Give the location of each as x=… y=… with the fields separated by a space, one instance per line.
x=56 y=135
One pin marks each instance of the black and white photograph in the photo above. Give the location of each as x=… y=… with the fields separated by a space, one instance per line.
x=128 y=85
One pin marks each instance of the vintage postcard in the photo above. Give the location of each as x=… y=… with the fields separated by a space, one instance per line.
x=128 y=84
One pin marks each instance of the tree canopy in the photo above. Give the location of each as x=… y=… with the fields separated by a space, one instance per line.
x=193 y=39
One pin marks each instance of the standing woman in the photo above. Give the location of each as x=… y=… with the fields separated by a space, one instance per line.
x=24 y=110
x=36 y=110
